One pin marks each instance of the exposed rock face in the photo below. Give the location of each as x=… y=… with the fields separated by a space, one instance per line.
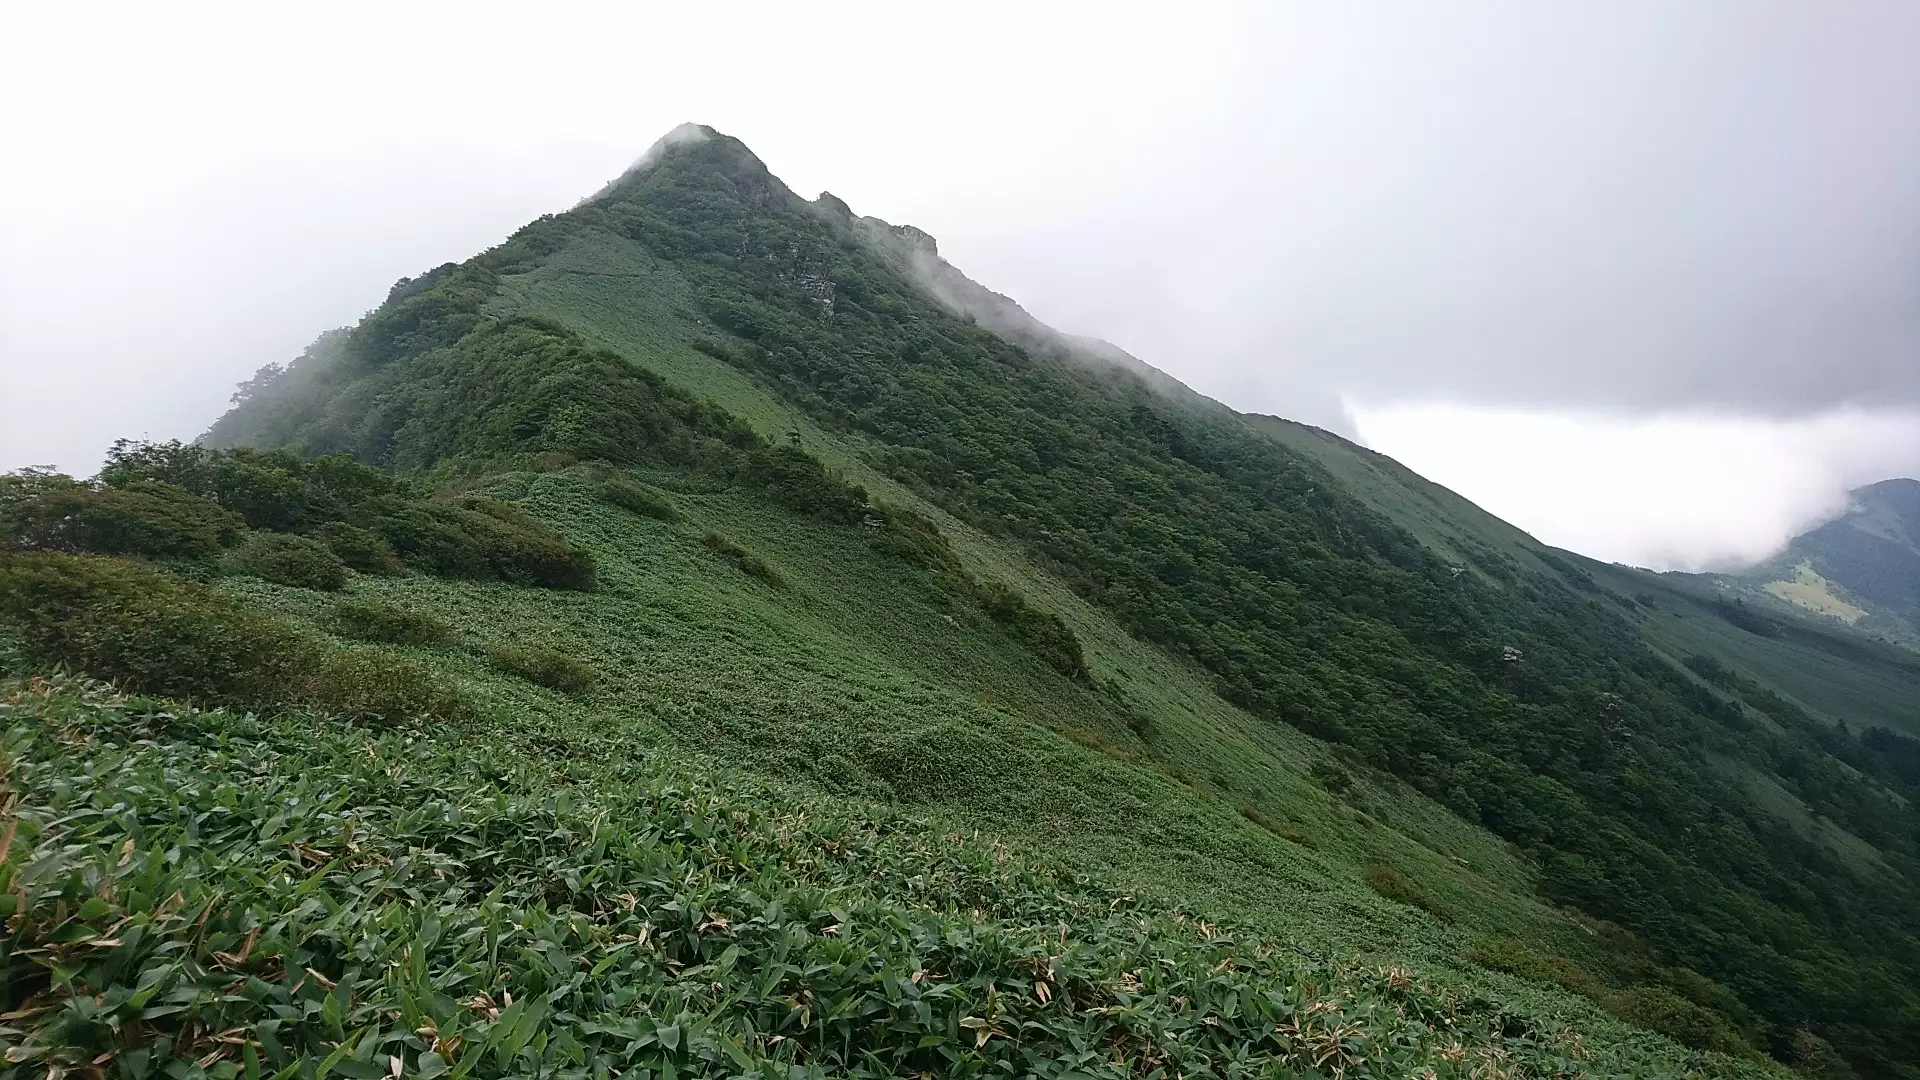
x=918 y=241
x=834 y=209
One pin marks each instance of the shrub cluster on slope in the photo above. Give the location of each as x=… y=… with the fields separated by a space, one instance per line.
x=224 y=895
x=288 y=519
x=126 y=621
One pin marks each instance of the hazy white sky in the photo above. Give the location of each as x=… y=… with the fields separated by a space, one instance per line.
x=1643 y=278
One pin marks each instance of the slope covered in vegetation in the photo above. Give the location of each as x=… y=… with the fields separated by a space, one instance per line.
x=1862 y=568
x=294 y=897
x=834 y=532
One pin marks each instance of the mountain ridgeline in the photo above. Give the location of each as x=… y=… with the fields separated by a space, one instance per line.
x=813 y=506
x=1862 y=568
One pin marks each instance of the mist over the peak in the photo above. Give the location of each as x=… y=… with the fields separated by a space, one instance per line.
x=1615 y=209
x=684 y=134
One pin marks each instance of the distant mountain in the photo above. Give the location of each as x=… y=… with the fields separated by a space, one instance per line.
x=1862 y=568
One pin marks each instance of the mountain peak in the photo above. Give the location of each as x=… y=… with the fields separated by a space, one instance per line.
x=1898 y=488
x=723 y=151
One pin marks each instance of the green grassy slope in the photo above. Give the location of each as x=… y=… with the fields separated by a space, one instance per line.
x=290 y=896
x=1297 y=603
x=1862 y=568
x=1277 y=705
x=1441 y=519
x=1842 y=677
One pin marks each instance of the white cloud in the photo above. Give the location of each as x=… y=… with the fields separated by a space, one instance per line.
x=1686 y=491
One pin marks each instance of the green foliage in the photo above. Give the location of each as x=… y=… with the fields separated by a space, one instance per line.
x=1044 y=632
x=1660 y=1009
x=639 y=499
x=1401 y=889
x=286 y=559
x=361 y=513
x=281 y=897
x=750 y=564
x=370 y=620
x=546 y=667
x=1285 y=830
x=272 y=490
x=486 y=539
x=126 y=622
x=48 y=512
x=360 y=549
x=1627 y=783
x=1515 y=958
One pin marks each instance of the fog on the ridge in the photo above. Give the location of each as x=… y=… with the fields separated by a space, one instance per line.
x=1590 y=230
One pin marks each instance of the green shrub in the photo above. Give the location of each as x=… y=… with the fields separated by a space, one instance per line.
x=150 y=520
x=1511 y=956
x=133 y=625
x=275 y=490
x=1047 y=634
x=360 y=549
x=1659 y=1009
x=747 y=561
x=1285 y=830
x=1331 y=777
x=127 y=623
x=639 y=499
x=23 y=484
x=286 y=559
x=1401 y=889
x=372 y=621
x=369 y=683
x=486 y=539
x=546 y=667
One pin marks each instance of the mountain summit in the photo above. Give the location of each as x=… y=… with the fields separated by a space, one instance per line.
x=712 y=619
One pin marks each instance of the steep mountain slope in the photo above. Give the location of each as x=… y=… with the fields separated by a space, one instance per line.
x=1862 y=568
x=1841 y=677
x=860 y=528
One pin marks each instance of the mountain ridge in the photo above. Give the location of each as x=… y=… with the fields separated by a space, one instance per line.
x=883 y=543
x=1860 y=568
x=771 y=271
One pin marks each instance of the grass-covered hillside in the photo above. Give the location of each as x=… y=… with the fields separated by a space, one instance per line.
x=1861 y=569
x=704 y=487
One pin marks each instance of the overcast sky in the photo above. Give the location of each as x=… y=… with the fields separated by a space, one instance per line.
x=1643 y=278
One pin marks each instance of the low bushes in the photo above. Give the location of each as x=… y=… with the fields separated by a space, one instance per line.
x=546 y=667
x=371 y=621
x=1285 y=830
x=1046 y=634
x=128 y=623
x=286 y=559
x=1401 y=889
x=361 y=549
x=1660 y=1009
x=484 y=539
x=1513 y=957
x=1676 y=1002
x=365 y=517
x=638 y=499
x=153 y=520
x=749 y=563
